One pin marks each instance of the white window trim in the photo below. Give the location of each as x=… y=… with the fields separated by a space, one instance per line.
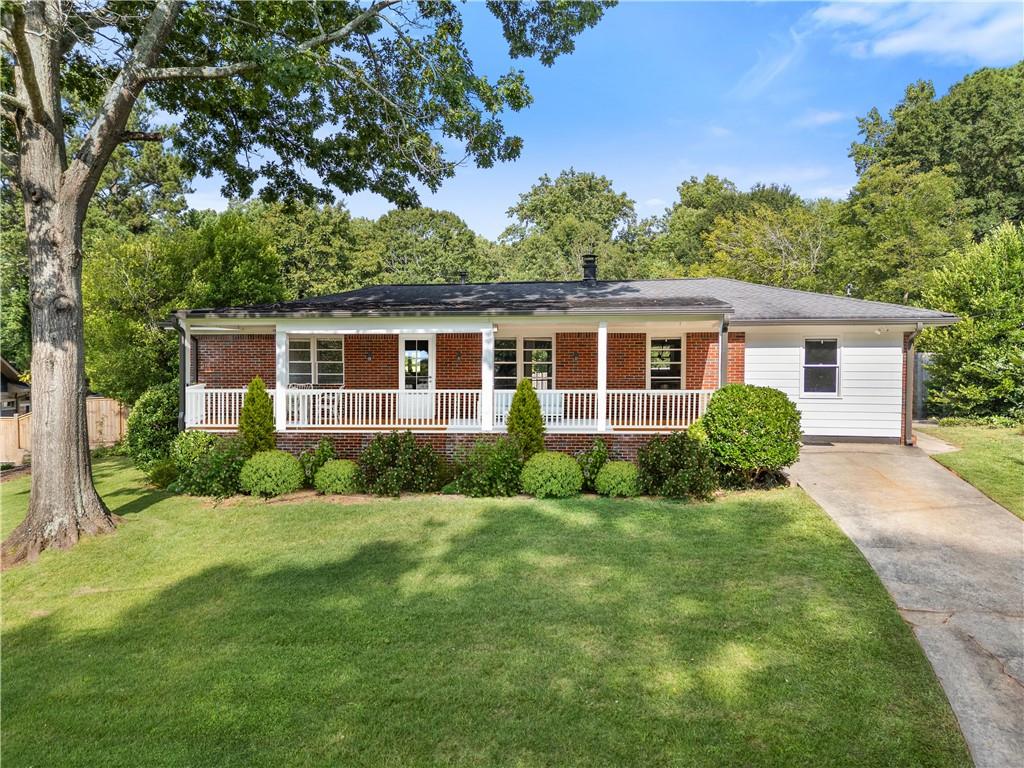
x=431 y=359
x=838 y=366
x=519 y=356
x=682 y=359
x=313 y=372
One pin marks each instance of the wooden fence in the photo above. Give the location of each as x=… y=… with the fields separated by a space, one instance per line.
x=106 y=420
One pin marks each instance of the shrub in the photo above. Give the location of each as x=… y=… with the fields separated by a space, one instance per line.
x=491 y=468
x=753 y=432
x=152 y=424
x=678 y=467
x=337 y=476
x=161 y=473
x=314 y=458
x=618 y=478
x=271 y=473
x=256 y=420
x=697 y=431
x=591 y=462
x=394 y=462
x=525 y=423
x=976 y=367
x=188 y=448
x=217 y=472
x=552 y=475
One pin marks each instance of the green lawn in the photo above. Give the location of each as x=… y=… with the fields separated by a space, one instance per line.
x=991 y=459
x=439 y=631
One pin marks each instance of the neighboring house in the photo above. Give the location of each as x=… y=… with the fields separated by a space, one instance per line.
x=15 y=395
x=621 y=359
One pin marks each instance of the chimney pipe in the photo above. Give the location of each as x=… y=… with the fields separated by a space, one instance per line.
x=463 y=277
x=590 y=268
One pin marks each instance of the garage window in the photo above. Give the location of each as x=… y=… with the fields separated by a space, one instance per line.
x=821 y=366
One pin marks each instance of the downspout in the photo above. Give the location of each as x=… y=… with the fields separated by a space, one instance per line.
x=908 y=389
x=182 y=352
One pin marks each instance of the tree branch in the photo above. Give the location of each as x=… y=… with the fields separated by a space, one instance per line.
x=141 y=136
x=238 y=68
x=13 y=102
x=26 y=66
x=83 y=174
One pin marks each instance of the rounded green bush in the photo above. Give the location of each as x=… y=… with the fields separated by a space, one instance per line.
x=677 y=467
x=271 y=473
x=752 y=432
x=552 y=475
x=618 y=478
x=153 y=424
x=337 y=476
x=189 y=447
x=491 y=468
x=161 y=473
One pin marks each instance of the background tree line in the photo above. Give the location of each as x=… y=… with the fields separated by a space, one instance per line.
x=936 y=176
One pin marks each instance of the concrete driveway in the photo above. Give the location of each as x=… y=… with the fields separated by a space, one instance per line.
x=953 y=561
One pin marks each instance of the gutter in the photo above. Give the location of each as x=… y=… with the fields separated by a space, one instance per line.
x=908 y=389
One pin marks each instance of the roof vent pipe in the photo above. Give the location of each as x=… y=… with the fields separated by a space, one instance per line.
x=590 y=267
x=463 y=277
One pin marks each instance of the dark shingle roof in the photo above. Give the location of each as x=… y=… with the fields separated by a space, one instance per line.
x=743 y=302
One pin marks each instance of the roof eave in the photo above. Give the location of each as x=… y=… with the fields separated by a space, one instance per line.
x=261 y=315
x=932 y=321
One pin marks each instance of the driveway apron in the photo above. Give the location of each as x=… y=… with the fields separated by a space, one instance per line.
x=953 y=561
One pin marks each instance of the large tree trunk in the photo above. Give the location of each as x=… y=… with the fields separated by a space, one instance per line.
x=63 y=503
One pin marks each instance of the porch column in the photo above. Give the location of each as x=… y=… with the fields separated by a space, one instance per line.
x=723 y=354
x=487 y=379
x=602 y=376
x=281 y=378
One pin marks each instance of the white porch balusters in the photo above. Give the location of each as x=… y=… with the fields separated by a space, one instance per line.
x=602 y=376
x=281 y=389
x=487 y=380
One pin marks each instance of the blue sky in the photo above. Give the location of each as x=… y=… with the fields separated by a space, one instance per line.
x=659 y=92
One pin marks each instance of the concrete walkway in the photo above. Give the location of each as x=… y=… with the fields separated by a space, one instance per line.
x=953 y=561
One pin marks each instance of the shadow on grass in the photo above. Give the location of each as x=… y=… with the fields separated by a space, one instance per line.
x=583 y=633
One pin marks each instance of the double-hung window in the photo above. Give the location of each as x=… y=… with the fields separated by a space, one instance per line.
x=316 y=361
x=666 y=364
x=821 y=367
x=524 y=358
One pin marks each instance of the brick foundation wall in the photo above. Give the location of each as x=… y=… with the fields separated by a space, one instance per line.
x=736 y=363
x=349 y=445
x=458 y=360
x=579 y=373
x=702 y=360
x=627 y=361
x=233 y=360
x=379 y=372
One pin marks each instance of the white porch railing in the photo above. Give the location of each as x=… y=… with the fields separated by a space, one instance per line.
x=383 y=408
x=646 y=408
x=561 y=408
x=453 y=410
x=214 y=408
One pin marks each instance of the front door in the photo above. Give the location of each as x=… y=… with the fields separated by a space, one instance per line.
x=416 y=399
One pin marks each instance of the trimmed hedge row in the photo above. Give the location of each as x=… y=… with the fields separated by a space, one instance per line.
x=746 y=437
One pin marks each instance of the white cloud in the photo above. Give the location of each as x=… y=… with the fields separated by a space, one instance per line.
x=772 y=64
x=980 y=33
x=655 y=203
x=814 y=118
x=719 y=131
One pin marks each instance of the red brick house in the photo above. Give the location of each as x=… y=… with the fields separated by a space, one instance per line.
x=620 y=359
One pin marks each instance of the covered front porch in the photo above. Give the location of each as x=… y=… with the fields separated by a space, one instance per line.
x=329 y=375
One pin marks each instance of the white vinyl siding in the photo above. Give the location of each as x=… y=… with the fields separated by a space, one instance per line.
x=870 y=398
